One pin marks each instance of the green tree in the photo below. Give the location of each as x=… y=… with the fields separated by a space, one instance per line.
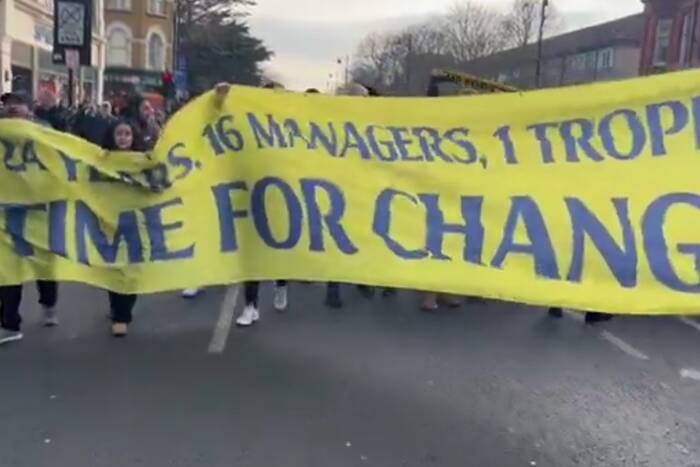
x=218 y=45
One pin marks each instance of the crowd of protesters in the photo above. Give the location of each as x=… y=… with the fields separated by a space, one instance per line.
x=87 y=120
x=135 y=128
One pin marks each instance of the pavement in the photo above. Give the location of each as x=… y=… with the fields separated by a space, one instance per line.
x=377 y=383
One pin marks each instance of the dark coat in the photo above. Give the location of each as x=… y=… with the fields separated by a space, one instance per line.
x=93 y=128
x=58 y=117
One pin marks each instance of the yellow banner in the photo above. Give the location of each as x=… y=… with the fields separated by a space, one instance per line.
x=585 y=197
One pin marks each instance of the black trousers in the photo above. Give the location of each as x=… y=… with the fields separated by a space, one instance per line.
x=333 y=288
x=121 y=307
x=11 y=299
x=251 y=290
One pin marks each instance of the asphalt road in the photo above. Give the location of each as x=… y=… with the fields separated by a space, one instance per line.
x=375 y=384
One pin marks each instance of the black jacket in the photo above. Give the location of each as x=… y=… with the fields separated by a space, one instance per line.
x=58 y=117
x=93 y=128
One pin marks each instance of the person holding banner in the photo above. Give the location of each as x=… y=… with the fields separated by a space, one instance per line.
x=122 y=136
x=17 y=105
x=333 y=295
x=141 y=112
x=251 y=311
x=50 y=110
x=431 y=301
x=590 y=317
x=221 y=91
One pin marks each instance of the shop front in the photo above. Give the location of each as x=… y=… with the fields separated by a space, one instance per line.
x=123 y=83
x=52 y=77
x=55 y=78
x=26 y=46
x=22 y=57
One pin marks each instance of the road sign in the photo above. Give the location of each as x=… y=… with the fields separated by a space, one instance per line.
x=182 y=63
x=70 y=24
x=72 y=30
x=181 y=81
x=72 y=58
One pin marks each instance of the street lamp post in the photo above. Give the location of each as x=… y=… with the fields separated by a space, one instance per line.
x=540 y=36
x=345 y=63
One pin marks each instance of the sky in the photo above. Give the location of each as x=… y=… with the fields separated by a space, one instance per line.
x=308 y=36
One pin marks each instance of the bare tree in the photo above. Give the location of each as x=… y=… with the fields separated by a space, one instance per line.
x=399 y=61
x=375 y=59
x=474 y=30
x=428 y=38
x=390 y=60
x=522 y=22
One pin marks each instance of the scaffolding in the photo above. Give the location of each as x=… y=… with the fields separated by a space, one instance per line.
x=469 y=84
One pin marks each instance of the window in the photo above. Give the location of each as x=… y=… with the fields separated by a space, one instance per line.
x=578 y=62
x=591 y=60
x=124 y=5
x=119 y=47
x=156 y=7
x=663 y=40
x=684 y=56
x=47 y=4
x=156 y=52
x=606 y=59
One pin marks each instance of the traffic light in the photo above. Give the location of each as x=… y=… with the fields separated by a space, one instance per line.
x=168 y=85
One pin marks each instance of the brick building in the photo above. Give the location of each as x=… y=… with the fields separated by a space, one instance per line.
x=671 y=36
x=139 y=46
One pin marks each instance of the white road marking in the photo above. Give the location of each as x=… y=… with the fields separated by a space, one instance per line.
x=690 y=374
x=622 y=345
x=223 y=325
x=690 y=322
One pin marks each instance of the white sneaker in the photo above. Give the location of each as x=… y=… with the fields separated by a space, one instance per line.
x=7 y=336
x=249 y=316
x=50 y=317
x=280 y=300
x=190 y=293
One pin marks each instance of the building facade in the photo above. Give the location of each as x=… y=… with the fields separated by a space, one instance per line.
x=26 y=45
x=140 y=36
x=607 y=51
x=671 y=36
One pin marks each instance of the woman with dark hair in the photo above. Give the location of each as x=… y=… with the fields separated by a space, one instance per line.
x=141 y=112
x=122 y=136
